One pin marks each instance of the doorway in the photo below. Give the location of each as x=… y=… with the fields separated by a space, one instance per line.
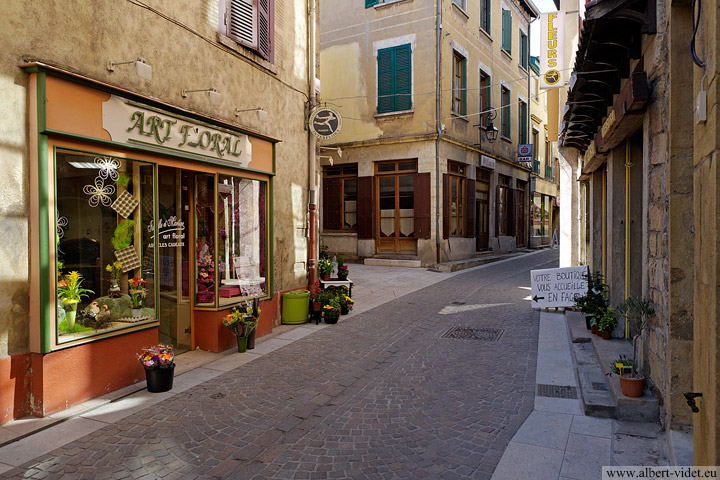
x=174 y=312
x=396 y=207
x=482 y=210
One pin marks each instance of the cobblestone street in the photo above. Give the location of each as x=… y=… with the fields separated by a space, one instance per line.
x=382 y=394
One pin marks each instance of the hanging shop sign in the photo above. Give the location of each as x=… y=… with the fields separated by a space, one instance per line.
x=626 y=115
x=487 y=162
x=552 y=50
x=525 y=152
x=558 y=287
x=325 y=122
x=135 y=124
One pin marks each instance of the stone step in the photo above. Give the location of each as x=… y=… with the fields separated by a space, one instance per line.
x=392 y=262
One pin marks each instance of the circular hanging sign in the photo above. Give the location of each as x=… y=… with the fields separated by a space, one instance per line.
x=325 y=122
x=552 y=77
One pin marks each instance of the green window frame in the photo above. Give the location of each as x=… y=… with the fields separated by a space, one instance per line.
x=370 y=3
x=522 y=122
x=485 y=15
x=459 y=84
x=485 y=96
x=507 y=31
x=394 y=79
x=523 y=50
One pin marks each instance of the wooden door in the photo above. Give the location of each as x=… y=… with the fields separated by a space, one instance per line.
x=395 y=215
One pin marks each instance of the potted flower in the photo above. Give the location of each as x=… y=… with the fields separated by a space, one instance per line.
x=325 y=268
x=639 y=312
x=315 y=300
x=159 y=364
x=594 y=301
x=606 y=322
x=342 y=269
x=346 y=304
x=137 y=292
x=250 y=321
x=631 y=384
x=242 y=321
x=115 y=270
x=331 y=311
x=70 y=292
x=205 y=273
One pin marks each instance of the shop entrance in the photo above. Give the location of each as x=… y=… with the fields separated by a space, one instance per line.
x=395 y=212
x=174 y=312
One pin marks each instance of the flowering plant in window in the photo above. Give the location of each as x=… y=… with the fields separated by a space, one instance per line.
x=115 y=269
x=137 y=291
x=70 y=290
x=206 y=271
x=157 y=357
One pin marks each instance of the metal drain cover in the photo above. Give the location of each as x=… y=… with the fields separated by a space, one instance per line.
x=217 y=395
x=467 y=333
x=556 y=391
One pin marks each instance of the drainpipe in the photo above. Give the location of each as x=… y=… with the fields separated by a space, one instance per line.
x=312 y=192
x=438 y=125
x=627 y=232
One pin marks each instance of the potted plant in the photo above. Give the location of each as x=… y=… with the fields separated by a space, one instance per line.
x=325 y=268
x=115 y=270
x=639 y=312
x=594 y=301
x=242 y=321
x=346 y=304
x=606 y=322
x=159 y=364
x=137 y=292
x=316 y=300
x=250 y=321
x=331 y=311
x=342 y=269
x=70 y=292
x=631 y=384
x=205 y=273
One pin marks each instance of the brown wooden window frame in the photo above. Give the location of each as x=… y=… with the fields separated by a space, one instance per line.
x=344 y=173
x=457 y=178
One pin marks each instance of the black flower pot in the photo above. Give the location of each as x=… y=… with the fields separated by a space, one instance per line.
x=160 y=379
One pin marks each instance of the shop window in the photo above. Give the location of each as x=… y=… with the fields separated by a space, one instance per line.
x=340 y=197
x=104 y=245
x=456 y=192
x=503 y=208
x=239 y=270
x=250 y=24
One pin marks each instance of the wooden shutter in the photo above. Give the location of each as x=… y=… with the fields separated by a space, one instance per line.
x=506 y=31
x=266 y=29
x=403 y=77
x=446 y=205
x=497 y=211
x=511 y=213
x=386 y=84
x=469 y=226
x=241 y=19
x=332 y=204
x=463 y=80
x=421 y=196
x=365 y=207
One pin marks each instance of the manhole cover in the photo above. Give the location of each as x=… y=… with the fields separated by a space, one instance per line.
x=556 y=391
x=457 y=302
x=599 y=386
x=467 y=333
x=218 y=395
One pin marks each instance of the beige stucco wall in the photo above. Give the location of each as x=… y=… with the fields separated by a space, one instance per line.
x=184 y=52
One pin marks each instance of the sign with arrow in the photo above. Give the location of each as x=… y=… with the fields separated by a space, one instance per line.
x=557 y=287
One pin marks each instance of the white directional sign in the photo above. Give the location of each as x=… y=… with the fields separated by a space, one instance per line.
x=557 y=287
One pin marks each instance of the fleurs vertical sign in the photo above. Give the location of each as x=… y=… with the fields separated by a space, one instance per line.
x=552 y=50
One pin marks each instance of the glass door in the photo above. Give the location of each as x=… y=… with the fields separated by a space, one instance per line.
x=396 y=210
x=174 y=257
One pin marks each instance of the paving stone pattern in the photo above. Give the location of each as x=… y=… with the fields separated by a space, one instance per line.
x=379 y=395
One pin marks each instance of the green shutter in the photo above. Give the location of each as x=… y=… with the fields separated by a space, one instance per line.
x=386 y=80
x=403 y=77
x=506 y=31
x=370 y=3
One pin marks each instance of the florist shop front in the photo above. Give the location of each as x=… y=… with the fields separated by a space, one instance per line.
x=149 y=223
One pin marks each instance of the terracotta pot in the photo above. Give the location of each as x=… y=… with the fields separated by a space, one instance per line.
x=325 y=276
x=606 y=334
x=594 y=329
x=317 y=306
x=632 y=387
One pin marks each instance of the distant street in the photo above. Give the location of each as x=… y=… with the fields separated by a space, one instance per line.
x=431 y=385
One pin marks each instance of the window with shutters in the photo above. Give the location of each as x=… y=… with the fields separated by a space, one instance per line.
x=507 y=31
x=461 y=3
x=485 y=15
x=394 y=79
x=250 y=23
x=523 y=50
x=505 y=112
x=340 y=197
x=456 y=192
x=485 y=98
x=522 y=122
x=459 y=84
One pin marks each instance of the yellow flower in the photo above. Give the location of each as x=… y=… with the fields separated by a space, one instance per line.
x=109 y=268
x=73 y=277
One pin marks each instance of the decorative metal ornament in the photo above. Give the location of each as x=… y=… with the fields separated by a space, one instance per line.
x=99 y=193
x=108 y=167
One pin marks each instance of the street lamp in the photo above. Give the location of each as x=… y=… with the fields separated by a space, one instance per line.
x=491 y=132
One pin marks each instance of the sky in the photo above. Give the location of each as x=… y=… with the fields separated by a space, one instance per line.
x=544 y=6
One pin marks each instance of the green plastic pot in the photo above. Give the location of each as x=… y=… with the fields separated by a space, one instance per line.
x=295 y=307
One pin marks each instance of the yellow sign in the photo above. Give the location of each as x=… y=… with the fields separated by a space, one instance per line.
x=552 y=50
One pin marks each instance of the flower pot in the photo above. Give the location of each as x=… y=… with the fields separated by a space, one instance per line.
x=594 y=329
x=332 y=316
x=317 y=306
x=344 y=310
x=325 y=276
x=136 y=312
x=632 y=387
x=70 y=313
x=160 y=379
x=342 y=276
x=251 y=340
x=606 y=334
x=242 y=344
x=587 y=323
